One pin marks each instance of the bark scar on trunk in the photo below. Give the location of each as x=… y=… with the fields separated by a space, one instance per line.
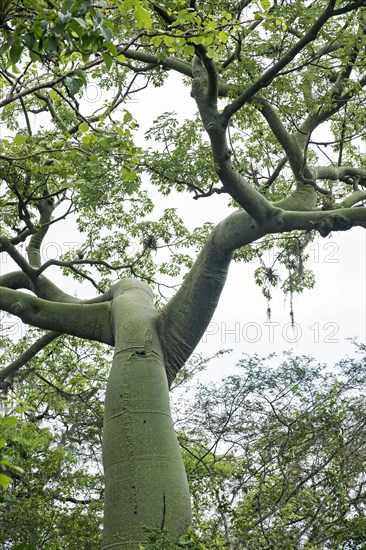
x=164 y=512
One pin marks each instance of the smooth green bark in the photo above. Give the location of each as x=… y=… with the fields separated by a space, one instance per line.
x=145 y=479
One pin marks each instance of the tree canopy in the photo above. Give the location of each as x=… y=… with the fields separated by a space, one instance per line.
x=280 y=92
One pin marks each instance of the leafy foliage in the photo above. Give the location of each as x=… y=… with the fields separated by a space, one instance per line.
x=274 y=453
x=56 y=497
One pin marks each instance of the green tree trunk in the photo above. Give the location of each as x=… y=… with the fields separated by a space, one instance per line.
x=145 y=479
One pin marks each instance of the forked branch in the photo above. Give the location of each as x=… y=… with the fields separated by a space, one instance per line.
x=247 y=196
x=266 y=78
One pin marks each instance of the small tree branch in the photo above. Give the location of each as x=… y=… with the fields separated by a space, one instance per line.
x=7 y=246
x=350 y=7
x=267 y=77
x=276 y=172
x=73 y=263
x=31 y=352
x=46 y=207
x=339 y=101
x=289 y=143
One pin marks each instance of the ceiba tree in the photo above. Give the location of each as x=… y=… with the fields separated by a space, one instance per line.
x=265 y=77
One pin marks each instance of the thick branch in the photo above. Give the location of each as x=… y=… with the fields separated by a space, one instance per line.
x=289 y=143
x=355 y=198
x=334 y=173
x=212 y=76
x=46 y=206
x=40 y=286
x=90 y=321
x=186 y=316
x=325 y=222
x=7 y=246
x=246 y=195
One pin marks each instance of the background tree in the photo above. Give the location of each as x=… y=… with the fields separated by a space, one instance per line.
x=274 y=454
x=56 y=501
x=265 y=78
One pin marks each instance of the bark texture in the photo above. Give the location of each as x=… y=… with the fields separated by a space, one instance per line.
x=145 y=479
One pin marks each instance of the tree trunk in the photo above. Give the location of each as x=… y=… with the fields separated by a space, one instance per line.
x=145 y=481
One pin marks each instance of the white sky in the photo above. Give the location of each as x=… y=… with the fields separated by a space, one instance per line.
x=324 y=316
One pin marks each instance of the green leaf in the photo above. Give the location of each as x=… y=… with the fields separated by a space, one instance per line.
x=106 y=33
x=108 y=60
x=84 y=126
x=16 y=468
x=156 y=40
x=197 y=39
x=74 y=83
x=127 y=117
x=265 y=4
x=10 y=420
x=223 y=36
x=54 y=96
x=15 y=52
x=4 y=480
x=29 y=39
x=143 y=17
x=82 y=76
x=19 y=139
x=169 y=40
x=113 y=49
x=51 y=45
x=189 y=50
x=227 y=15
x=208 y=39
x=211 y=52
x=88 y=138
x=81 y=22
x=78 y=30
x=211 y=26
